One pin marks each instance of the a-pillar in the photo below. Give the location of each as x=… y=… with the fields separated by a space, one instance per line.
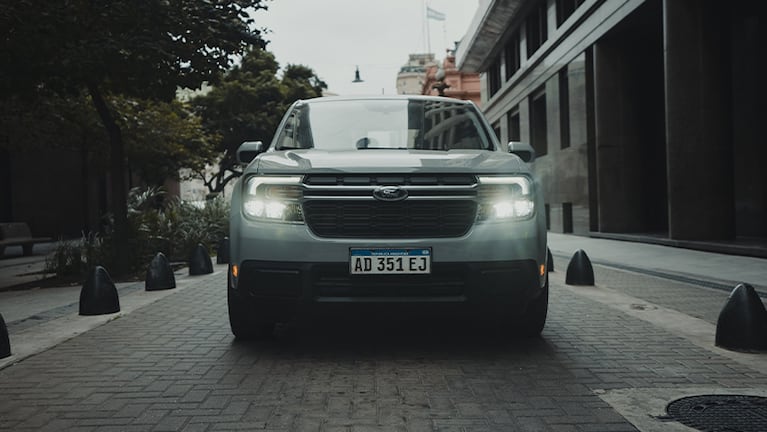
x=698 y=122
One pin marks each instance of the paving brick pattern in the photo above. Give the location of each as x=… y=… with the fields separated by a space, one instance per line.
x=693 y=300
x=173 y=365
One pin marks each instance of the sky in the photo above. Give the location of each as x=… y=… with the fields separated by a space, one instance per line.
x=333 y=37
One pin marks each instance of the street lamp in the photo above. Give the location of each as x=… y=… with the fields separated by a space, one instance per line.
x=357 y=76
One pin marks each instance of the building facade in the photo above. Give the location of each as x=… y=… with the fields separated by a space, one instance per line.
x=645 y=114
x=412 y=74
x=459 y=85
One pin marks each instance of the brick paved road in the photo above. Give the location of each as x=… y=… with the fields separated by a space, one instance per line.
x=173 y=365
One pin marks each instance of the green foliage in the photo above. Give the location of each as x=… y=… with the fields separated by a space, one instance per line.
x=74 y=258
x=162 y=138
x=144 y=49
x=173 y=227
x=140 y=48
x=156 y=224
x=50 y=120
x=248 y=104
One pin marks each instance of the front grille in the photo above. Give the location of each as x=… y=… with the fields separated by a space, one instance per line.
x=343 y=206
x=405 y=219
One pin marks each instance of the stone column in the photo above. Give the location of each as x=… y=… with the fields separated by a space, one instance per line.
x=617 y=140
x=698 y=120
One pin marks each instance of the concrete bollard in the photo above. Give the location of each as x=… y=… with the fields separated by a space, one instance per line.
x=159 y=275
x=99 y=294
x=5 y=341
x=199 y=262
x=222 y=253
x=742 y=323
x=579 y=270
x=549 y=260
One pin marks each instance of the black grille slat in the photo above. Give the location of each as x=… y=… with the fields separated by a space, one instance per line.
x=373 y=219
x=388 y=179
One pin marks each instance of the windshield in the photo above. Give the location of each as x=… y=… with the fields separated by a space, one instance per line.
x=384 y=124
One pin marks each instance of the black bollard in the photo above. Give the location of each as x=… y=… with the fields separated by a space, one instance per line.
x=579 y=271
x=159 y=275
x=5 y=341
x=199 y=262
x=550 y=260
x=742 y=323
x=99 y=294
x=222 y=253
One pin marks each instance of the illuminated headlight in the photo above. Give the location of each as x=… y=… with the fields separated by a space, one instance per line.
x=273 y=199
x=505 y=198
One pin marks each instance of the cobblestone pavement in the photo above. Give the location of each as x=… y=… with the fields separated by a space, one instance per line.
x=173 y=365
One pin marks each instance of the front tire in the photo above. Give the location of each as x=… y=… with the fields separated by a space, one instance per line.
x=534 y=319
x=244 y=325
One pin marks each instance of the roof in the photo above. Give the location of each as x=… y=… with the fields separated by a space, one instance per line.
x=385 y=97
x=487 y=29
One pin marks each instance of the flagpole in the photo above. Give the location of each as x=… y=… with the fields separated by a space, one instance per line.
x=428 y=35
x=444 y=36
x=423 y=24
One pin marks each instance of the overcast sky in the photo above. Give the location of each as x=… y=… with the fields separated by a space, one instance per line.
x=334 y=36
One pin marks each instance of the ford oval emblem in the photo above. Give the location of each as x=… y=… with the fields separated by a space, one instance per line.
x=389 y=193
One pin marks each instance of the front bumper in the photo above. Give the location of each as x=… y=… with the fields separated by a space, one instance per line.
x=279 y=291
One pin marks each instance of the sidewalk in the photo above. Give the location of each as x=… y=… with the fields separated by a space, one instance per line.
x=17 y=269
x=41 y=318
x=714 y=270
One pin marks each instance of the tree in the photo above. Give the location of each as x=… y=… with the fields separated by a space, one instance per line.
x=161 y=138
x=247 y=105
x=121 y=47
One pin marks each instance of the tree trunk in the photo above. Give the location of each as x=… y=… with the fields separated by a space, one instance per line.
x=119 y=202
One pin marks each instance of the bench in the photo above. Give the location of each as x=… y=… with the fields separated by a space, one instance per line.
x=18 y=234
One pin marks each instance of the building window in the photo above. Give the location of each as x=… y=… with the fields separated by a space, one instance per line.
x=548 y=216
x=565 y=8
x=564 y=109
x=567 y=217
x=497 y=131
x=494 y=77
x=537 y=31
x=512 y=55
x=514 y=133
x=538 y=123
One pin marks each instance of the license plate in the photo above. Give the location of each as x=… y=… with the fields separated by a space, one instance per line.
x=390 y=261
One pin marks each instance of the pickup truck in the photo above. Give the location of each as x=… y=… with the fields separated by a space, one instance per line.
x=398 y=202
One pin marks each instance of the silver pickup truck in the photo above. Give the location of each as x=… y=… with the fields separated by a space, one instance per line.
x=387 y=202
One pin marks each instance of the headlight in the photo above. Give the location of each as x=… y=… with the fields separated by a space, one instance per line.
x=273 y=199
x=505 y=198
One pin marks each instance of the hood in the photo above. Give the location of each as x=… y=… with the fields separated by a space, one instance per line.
x=387 y=161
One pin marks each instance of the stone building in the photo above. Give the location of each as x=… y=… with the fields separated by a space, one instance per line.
x=460 y=85
x=645 y=114
x=413 y=73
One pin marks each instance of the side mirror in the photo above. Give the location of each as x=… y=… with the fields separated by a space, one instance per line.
x=524 y=150
x=248 y=150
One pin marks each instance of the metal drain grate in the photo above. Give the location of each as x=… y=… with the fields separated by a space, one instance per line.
x=721 y=413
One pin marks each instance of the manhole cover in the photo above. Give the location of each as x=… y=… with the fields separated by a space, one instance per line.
x=721 y=413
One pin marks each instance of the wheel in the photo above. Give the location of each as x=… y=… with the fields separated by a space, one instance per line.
x=244 y=325
x=534 y=319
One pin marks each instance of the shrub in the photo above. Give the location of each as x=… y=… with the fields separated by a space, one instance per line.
x=74 y=258
x=156 y=224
